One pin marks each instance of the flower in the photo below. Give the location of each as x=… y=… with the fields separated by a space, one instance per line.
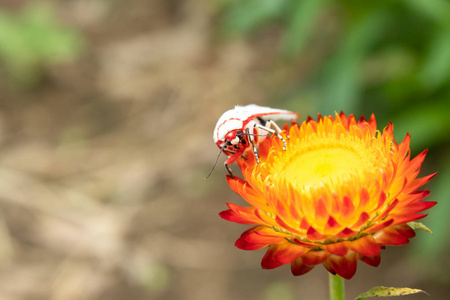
x=340 y=192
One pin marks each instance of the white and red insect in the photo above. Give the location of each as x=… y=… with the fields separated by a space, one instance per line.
x=243 y=128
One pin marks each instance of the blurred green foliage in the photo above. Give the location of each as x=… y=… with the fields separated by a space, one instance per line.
x=33 y=39
x=391 y=58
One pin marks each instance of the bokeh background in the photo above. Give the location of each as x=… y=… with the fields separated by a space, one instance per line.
x=107 y=109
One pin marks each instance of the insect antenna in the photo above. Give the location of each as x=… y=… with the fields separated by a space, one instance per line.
x=217 y=159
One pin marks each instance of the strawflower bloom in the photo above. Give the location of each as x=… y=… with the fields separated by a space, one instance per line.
x=340 y=193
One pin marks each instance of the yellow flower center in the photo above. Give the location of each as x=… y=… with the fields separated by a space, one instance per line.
x=309 y=168
x=325 y=161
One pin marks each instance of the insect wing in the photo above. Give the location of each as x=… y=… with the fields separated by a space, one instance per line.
x=230 y=120
x=267 y=113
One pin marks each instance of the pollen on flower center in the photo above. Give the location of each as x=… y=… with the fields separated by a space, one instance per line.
x=322 y=161
x=322 y=165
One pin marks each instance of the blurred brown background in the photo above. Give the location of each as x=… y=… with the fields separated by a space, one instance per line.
x=107 y=109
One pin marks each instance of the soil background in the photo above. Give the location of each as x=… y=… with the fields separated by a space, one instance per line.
x=102 y=166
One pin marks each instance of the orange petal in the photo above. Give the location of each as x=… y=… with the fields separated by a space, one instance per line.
x=363 y=218
x=373 y=261
x=366 y=246
x=242 y=188
x=332 y=224
x=315 y=257
x=314 y=235
x=259 y=237
x=387 y=211
x=239 y=214
x=417 y=183
x=338 y=248
x=405 y=230
x=347 y=207
x=413 y=197
x=416 y=207
x=381 y=201
x=245 y=245
x=415 y=164
x=281 y=254
x=379 y=226
x=390 y=236
x=320 y=210
x=401 y=219
x=285 y=225
x=364 y=198
x=305 y=244
x=299 y=268
x=328 y=266
x=344 y=266
x=346 y=232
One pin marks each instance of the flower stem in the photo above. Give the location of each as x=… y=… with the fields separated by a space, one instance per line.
x=337 y=287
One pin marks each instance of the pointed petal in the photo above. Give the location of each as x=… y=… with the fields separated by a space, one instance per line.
x=332 y=225
x=338 y=248
x=305 y=244
x=315 y=257
x=417 y=183
x=366 y=246
x=299 y=268
x=387 y=211
x=404 y=146
x=405 y=230
x=345 y=266
x=363 y=198
x=347 y=207
x=401 y=219
x=379 y=226
x=244 y=190
x=285 y=225
x=314 y=235
x=390 y=236
x=328 y=266
x=259 y=237
x=415 y=164
x=363 y=218
x=373 y=261
x=415 y=207
x=268 y=262
x=345 y=233
x=245 y=245
x=238 y=214
x=320 y=211
x=381 y=200
x=281 y=254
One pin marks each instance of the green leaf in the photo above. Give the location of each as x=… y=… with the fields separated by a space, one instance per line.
x=427 y=123
x=244 y=16
x=419 y=225
x=436 y=68
x=33 y=39
x=341 y=89
x=301 y=24
x=383 y=291
x=436 y=10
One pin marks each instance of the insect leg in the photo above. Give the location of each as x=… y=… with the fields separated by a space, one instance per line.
x=277 y=131
x=227 y=166
x=255 y=150
x=231 y=160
